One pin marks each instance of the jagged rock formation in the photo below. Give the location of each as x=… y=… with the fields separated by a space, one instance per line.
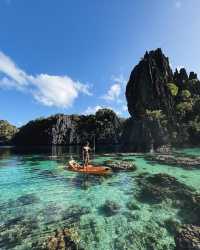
x=7 y=131
x=61 y=129
x=147 y=87
x=164 y=106
x=144 y=135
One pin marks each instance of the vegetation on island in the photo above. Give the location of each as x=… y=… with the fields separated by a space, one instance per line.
x=7 y=131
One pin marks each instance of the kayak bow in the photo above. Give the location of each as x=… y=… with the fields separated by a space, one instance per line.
x=90 y=169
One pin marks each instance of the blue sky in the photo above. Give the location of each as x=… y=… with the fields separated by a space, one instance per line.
x=74 y=56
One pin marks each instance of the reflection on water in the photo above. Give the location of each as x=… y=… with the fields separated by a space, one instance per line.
x=38 y=196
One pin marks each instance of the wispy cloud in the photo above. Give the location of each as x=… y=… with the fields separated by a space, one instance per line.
x=92 y=110
x=113 y=93
x=49 y=90
x=120 y=79
x=114 y=97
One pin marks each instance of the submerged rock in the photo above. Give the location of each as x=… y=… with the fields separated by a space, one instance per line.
x=188 y=238
x=84 y=183
x=16 y=230
x=28 y=199
x=110 y=208
x=132 y=206
x=65 y=239
x=47 y=173
x=73 y=213
x=185 y=162
x=165 y=188
x=172 y=226
x=121 y=165
x=160 y=187
x=190 y=211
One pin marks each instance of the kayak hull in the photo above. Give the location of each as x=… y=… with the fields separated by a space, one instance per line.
x=90 y=169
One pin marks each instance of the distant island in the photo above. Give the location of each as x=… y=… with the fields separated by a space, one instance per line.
x=164 y=109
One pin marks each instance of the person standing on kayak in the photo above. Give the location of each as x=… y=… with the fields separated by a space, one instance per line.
x=86 y=154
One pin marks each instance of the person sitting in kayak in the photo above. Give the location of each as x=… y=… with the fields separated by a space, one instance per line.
x=86 y=154
x=73 y=164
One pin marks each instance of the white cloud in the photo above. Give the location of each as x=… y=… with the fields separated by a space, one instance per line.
x=113 y=93
x=54 y=90
x=92 y=110
x=178 y=4
x=83 y=88
x=8 y=67
x=49 y=90
x=119 y=79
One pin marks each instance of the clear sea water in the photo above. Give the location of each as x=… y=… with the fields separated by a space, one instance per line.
x=38 y=196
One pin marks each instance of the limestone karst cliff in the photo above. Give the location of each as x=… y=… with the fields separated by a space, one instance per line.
x=61 y=129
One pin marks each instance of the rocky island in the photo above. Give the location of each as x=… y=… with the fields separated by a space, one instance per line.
x=7 y=131
x=164 y=111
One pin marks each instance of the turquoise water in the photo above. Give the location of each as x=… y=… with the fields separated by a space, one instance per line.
x=38 y=196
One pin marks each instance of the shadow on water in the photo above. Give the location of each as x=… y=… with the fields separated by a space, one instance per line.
x=85 y=181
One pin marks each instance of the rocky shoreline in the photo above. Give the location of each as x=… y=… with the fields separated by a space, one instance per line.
x=174 y=160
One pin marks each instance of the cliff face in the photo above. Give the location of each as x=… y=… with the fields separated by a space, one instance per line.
x=147 y=87
x=71 y=130
x=144 y=135
x=7 y=131
x=164 y=106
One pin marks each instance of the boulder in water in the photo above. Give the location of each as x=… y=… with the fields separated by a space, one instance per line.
x=121 y=165
x=188 y=238
x=110 y=208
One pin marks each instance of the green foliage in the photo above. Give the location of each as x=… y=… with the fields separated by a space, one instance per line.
x=155 y=114
x=185 y=94
x=173 y=89
x=102 y=114
x=195 y=126
x=6 y=130
x=183 y=107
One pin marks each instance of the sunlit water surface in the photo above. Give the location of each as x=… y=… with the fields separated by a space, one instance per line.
x=38 y=195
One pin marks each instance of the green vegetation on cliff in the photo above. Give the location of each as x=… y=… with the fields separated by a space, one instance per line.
x=62 y=129
x=7 y=131
x=172 y=99
x=173 y=88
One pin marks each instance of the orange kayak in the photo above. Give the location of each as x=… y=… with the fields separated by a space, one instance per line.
x=90 y=169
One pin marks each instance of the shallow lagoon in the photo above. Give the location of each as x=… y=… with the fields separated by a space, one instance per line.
x=38 y=196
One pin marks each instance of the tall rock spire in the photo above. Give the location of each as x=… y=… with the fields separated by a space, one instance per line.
x=147 y=86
